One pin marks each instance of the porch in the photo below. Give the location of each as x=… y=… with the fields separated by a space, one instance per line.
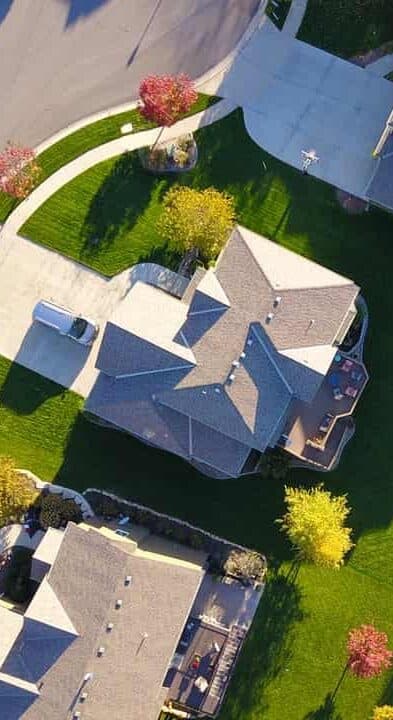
x=315 y=432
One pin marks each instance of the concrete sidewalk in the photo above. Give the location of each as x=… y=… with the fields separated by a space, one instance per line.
x=125 y=143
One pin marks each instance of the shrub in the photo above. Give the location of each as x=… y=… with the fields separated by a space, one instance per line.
x=383 y=712
x=16 y=492
x=197 y=219
x=245 y=563
x=274 y=464
x=56 y=511
x=314 y=523
x=19 y=171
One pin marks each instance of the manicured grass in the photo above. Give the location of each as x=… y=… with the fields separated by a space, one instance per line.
x=295 y=655
x=347 y=27
x=89 y=137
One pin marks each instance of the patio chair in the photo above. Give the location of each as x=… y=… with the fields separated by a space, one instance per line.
x=351 y=391
x=347 y=365
x=356 y=376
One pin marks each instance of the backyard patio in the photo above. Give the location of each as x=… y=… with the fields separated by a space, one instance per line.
x=316 y=432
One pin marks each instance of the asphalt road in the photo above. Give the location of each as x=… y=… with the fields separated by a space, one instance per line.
x=64 y=59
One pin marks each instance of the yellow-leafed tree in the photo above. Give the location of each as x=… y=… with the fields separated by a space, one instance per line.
x=197 y=219
x=314 y=523
x=16 y=492
x=383 y=712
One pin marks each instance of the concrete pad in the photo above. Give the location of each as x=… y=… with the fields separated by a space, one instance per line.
x=29 y=273
x=296 y=97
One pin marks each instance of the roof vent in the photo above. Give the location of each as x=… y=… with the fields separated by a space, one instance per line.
x=269 y=317
x=204 y=392
x=76 y=714
x=249 y=342
x=277 y=300
x=235 y=363
x=128 y=579
x=101 y=651
x=242 y=355
x=88 y=676
x=217 y=390
x=109 y=626
x=83 y=696
x=231 y=377
x=310 y=324
x=118 y=604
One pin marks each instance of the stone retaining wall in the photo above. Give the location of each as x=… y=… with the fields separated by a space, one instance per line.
x=59 y=490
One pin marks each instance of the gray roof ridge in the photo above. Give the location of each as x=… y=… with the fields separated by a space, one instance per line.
x=306 y=259
x=303 y=257
x=161 y=400
x=271 y=358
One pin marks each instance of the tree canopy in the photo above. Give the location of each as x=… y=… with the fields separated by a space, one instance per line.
x=165 y=98
x=314 y=523
x=197 y=219
x=19 y=170
x=368 y=654
x=383 y=712
x=16 y=492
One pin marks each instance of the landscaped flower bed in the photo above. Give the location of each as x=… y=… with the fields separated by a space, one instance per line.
x=176 y=156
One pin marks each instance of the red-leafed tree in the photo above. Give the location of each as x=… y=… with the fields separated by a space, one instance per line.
x=19 y=170
x=368 y=654
x=164 y=98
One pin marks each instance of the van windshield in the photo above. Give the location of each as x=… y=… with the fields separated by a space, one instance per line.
x=78 y=328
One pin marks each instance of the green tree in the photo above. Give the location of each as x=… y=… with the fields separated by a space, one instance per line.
x=197 y=219
x=16 y=492
x=314 y=523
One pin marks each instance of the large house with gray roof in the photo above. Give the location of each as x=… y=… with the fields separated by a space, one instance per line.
x=115 y=627
x=243 y=359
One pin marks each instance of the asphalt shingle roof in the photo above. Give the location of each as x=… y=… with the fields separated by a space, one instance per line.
x=88 y=577
x=293 y=307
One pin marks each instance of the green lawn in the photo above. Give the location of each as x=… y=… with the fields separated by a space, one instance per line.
x=295 y=655
x=347 y=27
x=89 y=137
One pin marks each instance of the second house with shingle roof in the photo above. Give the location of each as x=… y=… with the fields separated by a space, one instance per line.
x=246 y=359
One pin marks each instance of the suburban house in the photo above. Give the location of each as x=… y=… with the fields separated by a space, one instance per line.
x=243 y=359
x=120 y=628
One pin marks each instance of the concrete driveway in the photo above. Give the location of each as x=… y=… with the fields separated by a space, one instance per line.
x=64 y=59
x=296 y=97
x=29 y=273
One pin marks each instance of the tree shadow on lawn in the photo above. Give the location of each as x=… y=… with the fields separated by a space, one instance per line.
x=326 y=711
x=23 y=390
x=267 y=650
x=120 y=201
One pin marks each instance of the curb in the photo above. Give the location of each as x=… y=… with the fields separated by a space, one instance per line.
x=124 y=107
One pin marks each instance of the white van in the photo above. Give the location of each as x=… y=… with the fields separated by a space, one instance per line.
x=82 y=330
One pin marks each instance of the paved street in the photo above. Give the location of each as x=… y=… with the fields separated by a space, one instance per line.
x=64 y=59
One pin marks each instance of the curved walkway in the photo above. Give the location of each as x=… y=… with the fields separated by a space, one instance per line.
x=104 y=152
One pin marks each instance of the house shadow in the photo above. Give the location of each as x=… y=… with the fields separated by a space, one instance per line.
x=118 y=204
x=23 y=391
x=55 y=362
x=268 y=648
x=5 y=7
x=82 y=8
